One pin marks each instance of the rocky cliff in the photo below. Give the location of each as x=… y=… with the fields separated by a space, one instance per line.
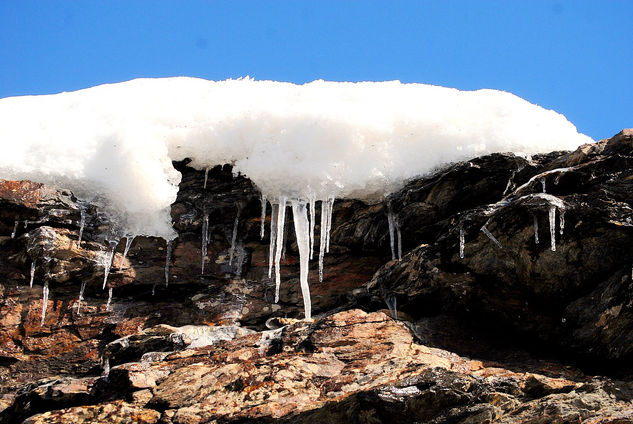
x=511 y=302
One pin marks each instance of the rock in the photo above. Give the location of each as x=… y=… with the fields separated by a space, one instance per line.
x=576 y=299
x=517 y=333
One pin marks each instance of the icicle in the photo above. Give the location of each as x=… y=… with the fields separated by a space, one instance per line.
x=543 y=184
x=274 y=213
x=205 y=229
x=261 y=231
x=312 y=223
x=399 y=239
x=26 y=224
x=15 y=229
x=491 y=237
x=302 y=231
x=392 y=304
x=535 y=230
x=206 y=177
x=391 y=234
x=44 y=301
x=285 y=244
x=461 y=243
x=330 y=209
x=170 y=245
x=562 y=221
x=234 y=237
x=108 y=263
x=322 y=238
x=109 y=299
x=81 y=295
x=128 y=244
x=278 y=245
x=153 y=289
x=32 y=273
x=82 y=223
x=552 y=226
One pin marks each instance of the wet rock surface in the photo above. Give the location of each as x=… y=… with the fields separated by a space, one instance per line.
x=513 y=331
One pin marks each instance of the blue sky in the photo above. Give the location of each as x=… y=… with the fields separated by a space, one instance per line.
x=575 y=57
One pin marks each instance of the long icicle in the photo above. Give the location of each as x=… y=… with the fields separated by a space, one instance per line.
x=462 y=243
x=535 y=229
x=108 y=263
x=274 y=213
x=312 y=223
x=82 y=223
x=302 y=231
x=128 y=244
x=330 y=209
x=234 y=237
x=561 y=220
x=322 y=237
x=44 y=302
x=15 y=229
x=261 y=230
x=391 y=234
x=170 y=246
x=399 y=234
x=206 y=177
x=552 y=226
x=32 y=273
x=205 y=228
x=280 y=240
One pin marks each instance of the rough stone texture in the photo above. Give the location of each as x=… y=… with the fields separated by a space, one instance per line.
x=517 y=334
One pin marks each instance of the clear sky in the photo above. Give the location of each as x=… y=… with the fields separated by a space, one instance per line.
x=575 y=57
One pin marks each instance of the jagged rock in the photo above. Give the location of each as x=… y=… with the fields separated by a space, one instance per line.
x=577 y=298
x=349 y=367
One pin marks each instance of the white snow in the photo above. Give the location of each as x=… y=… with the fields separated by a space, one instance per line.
x=114 y=143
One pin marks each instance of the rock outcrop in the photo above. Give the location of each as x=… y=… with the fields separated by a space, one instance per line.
x=514 y=331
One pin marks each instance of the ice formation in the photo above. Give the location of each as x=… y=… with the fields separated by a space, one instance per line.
x=491 y=237
x=552 y=226
x=32 y=274
x=462 y=243
x=170 y=246
x=114 y=144
x=82 y=223
x=15 y=229
x=535 y=229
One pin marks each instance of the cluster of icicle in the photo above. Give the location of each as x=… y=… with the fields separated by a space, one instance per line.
x=553 y=202
x=107 y=262
x=304 y=218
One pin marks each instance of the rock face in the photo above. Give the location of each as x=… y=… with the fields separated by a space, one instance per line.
x=516 y=330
